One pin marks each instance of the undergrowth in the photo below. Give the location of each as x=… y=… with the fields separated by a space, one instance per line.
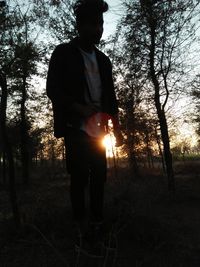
x=151 y=228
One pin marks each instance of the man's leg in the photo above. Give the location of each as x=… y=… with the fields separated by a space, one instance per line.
x=97 y=179
x=77 y=194
x=78 y=168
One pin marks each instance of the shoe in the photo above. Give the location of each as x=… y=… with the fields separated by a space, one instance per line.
x=110 y=242
x=89 y=248
x=96 y=231
x=90 y=243
x=100 y=233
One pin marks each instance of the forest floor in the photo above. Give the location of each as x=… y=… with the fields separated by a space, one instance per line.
x=154 y=228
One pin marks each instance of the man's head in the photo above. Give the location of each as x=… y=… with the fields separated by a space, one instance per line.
x=89 y=19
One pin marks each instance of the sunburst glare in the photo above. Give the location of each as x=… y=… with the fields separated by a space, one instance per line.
x=109 y=142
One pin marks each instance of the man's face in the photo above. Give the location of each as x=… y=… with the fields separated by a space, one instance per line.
x=91 y=31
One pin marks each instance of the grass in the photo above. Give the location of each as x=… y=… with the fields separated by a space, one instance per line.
x=152 y=228
x=187 y=157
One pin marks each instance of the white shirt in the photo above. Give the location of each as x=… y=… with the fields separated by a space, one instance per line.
x=92 y=77
x=92 y=126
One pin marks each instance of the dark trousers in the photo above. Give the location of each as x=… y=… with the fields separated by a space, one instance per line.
x=86 y=163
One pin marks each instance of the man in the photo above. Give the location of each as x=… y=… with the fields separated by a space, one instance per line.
x=80 y=86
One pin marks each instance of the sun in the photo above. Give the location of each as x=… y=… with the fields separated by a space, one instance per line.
x=109 y=142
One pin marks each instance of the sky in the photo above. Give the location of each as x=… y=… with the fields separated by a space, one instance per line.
x=112 y=16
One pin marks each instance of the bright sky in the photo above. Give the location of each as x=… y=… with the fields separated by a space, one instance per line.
x=112 y=16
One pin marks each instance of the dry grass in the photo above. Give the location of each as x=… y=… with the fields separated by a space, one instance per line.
x=152 y=228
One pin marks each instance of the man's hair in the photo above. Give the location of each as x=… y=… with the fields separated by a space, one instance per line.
x=85 y=9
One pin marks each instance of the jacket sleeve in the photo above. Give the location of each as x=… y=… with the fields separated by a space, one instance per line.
x=55 y=83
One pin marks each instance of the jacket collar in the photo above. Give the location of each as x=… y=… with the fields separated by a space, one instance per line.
x=75 y=43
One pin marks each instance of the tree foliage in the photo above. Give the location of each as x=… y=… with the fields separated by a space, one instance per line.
x=155 y=36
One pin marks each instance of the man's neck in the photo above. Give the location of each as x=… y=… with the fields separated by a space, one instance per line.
x=85 y=46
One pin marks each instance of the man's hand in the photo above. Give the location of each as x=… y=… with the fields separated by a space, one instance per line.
x=85 y=111
x=119 y=137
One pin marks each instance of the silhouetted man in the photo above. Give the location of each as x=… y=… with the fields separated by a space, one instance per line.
x=80 y=86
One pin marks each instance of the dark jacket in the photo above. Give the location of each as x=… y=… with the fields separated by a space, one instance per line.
x=66 y=83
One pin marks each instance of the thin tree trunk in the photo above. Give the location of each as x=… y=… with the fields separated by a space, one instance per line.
x=161 y=116
x=148 y=149
x=0 y=169
x=167 y=151
x=4 y=168
x=53 y=156
x=63 y=156
x=131 y=144
x=131 y=155
x=24 y=137
x=160 y=152
x=8 y=150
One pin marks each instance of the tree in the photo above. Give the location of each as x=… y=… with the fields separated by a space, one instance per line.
x=27 y=50
x=156 y=34
x=56 y=18
x=23 y=68
x=129 y=82
x=4 y=140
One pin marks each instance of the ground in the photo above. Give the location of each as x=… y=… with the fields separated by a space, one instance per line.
x=152 y=227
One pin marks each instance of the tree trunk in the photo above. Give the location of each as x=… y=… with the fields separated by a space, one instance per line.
x=148 y=150
x=130 y=140
x=8 y=150
x=160 y=151
x=63 y=156
x=131 y=155
x=161 y=115
x=24 y=137
x=167 y=151
x=4 y=168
